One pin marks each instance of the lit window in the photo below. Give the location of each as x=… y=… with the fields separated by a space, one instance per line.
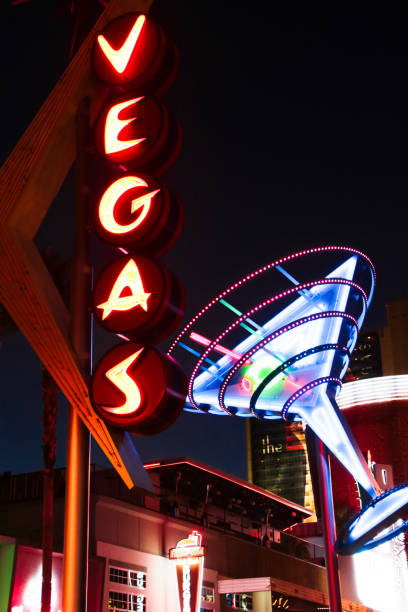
x=117 y=601
x=137 y=579
x=129 y=577
x=239 y=601
x=207 y=594
x=118 y=575
x=128 y=598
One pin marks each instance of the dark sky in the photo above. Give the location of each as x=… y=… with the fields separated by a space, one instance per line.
x=295 y=132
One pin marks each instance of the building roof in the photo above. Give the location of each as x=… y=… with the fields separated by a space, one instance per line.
x=267 y=496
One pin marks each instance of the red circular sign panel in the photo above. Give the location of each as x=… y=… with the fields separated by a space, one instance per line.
x=138 y=298
x=139 y=212
x=138 y=132
x=133 y=52
x=138 y=389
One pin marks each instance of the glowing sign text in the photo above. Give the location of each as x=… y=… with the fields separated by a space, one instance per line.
x=120 y=378
x=129 y=278
x=119 y=58
x=114 y=125
x=110 y=199
x=186 y=588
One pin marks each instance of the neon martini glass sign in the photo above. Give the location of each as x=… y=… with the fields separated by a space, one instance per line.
x=290 y=363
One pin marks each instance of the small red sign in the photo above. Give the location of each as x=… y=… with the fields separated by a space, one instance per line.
x=139 y=212
x=138 y=389
x=132 y=51
x=137 y=297
x=139 y=133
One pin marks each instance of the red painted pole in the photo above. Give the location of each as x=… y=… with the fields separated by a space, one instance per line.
x=328 y=523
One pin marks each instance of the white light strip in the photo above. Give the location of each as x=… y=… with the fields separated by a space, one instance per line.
x=373 y=391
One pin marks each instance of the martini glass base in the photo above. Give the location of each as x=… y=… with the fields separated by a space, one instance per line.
x=375 y=523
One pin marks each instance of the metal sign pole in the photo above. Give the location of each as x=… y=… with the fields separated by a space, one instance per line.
x=78 y=452
x=328 y=523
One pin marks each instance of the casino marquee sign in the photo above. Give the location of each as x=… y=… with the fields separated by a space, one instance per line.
x=135 y=387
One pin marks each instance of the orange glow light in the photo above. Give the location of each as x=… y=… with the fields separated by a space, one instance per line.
x=119 y=58
x=114 y=125
x=120 y=378
x=110 y=199
x=128 y=278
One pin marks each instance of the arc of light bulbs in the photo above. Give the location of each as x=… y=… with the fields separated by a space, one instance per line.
x=114 y=125
x=119 y=377
x=119 y=58
x=129 y=277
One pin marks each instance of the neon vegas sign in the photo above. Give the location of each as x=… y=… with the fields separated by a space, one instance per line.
x=135 y=297
x=188 y=556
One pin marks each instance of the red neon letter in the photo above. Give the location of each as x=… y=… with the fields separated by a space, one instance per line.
x=129 y=277
x=119 y=58
x=111 y=197
x=120 y=378
x=114 y=125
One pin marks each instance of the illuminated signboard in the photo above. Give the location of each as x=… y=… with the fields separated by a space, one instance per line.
x=132 y=51
x=294 y=346
x=138 y=389
x=138 y=297
x=135 y=387
x=138 y=132
x=188 y=557
x=139 y=211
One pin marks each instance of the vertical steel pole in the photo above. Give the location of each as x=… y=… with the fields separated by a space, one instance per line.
x=76 y=532
x=328 y=523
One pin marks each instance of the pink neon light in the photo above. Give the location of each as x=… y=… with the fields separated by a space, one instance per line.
x=249 y=313
x=221 y=349
x=260 y=271
x=246 y=384
x=269 y=338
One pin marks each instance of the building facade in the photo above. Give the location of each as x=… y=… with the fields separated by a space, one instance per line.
x=251 y=562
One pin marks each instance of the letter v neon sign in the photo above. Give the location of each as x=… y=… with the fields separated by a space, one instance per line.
x=119 y=58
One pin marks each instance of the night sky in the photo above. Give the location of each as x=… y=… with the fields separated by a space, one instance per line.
x=295 y=135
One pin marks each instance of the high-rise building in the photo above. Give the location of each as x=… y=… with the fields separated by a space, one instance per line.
x=277 y=459
x=365 y=360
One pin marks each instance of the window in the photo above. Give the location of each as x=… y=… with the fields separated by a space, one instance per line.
x=126 y=601
x=129 y=577
x=239 y=601
x=118 y=575
x=137 y=603
x=117 y=601
x=207 y=594
x=137 y=579
x=127 y=597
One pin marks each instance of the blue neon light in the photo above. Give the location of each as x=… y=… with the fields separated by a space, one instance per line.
x=291 y=366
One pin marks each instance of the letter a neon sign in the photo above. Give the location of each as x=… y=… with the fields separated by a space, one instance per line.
x=129 y=278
